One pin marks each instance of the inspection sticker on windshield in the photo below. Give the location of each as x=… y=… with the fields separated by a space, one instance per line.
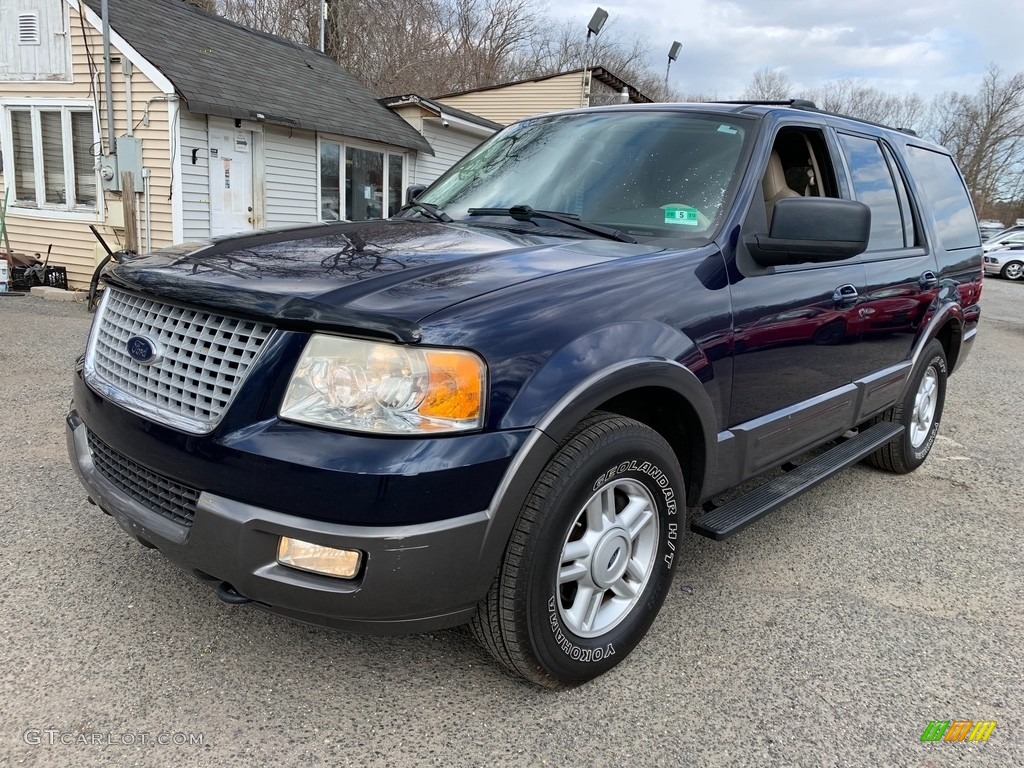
x=681 y=214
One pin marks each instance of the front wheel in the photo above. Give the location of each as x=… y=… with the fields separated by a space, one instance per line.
x=591 y=556
x=1013 y=271
x=919 y=413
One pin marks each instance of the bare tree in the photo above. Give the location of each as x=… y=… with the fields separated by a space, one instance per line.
x=985 y=133
x=854 y=98
x=287 y=18
x=768 y=85
x=439 y=46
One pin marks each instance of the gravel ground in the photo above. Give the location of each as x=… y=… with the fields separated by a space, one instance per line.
x=830 y=633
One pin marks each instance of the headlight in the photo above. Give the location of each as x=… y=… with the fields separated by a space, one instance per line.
x=385 y=388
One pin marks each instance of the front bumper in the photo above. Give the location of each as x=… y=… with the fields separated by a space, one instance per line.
x=414 y=578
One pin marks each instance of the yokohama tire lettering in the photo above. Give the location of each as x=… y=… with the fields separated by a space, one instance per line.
x=570 y=649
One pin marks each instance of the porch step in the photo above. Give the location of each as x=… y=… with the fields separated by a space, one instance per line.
x=734 y=516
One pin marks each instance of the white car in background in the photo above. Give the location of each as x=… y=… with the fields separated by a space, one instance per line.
x=1007 y=261
x=1008 y=237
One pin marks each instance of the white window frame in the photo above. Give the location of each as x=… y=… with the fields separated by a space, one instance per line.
x=343 y=146
x=42 y=208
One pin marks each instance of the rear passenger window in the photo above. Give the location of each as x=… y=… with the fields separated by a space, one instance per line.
x=939 y=181
x=873 y=186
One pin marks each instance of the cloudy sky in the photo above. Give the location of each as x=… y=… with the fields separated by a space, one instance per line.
x=904 y=46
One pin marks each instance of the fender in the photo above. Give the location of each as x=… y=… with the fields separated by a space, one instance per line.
x=558 y=421
x=591 y=370
x=949 y=313
x=607 y=362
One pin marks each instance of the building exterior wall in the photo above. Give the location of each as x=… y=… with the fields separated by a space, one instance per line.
x=290 y=164
x=195 y=176
x=509 y=103
x=74 y=247
x=450 y=145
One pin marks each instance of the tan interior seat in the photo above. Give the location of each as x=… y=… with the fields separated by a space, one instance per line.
x=774 y=185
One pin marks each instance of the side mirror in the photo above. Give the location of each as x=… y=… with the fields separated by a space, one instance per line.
x=812 y=229
x=413 y=191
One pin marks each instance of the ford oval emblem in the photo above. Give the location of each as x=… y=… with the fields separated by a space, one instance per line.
x=143 y=350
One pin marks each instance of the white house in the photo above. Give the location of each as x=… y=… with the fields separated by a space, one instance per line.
x=221 y=128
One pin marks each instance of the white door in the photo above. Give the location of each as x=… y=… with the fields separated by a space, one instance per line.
x=231 y=196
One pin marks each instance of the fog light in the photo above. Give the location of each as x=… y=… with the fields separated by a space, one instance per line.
x=316 y=558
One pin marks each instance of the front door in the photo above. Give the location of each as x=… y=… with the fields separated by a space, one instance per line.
x=231 y=191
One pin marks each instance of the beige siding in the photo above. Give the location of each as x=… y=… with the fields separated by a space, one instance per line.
x=510 y=103
x=73 y=244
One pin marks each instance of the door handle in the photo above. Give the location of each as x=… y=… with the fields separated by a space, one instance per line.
x=845 y=295
x=928 y=280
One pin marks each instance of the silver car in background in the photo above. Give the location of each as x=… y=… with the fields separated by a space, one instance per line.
x=1007 y=261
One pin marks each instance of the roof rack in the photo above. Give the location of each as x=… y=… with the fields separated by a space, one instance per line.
x=812 y=107
x=797 y=103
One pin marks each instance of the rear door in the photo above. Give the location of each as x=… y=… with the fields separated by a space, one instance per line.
x=902 y=280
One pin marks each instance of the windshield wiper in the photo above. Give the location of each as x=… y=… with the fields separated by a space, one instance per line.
x=526 y=213
x=431 y=210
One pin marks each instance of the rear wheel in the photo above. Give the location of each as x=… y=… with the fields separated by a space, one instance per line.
x=919 y=412
x=1013 y=271
x=591 y=556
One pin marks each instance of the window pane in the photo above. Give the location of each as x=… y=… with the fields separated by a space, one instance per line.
x=53 y=157
x=872 y=185
x=24 y=169
x=330 y=188
x=657 y=174
x=364 y=184
x=394 y=184
x=909 y=236
x=85 y=172
x=937 y=177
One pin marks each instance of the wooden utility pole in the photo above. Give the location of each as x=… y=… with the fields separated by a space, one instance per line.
x=131 y=227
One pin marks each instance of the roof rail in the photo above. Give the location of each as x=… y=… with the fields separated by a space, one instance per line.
x=812 y=107
x=797 y=103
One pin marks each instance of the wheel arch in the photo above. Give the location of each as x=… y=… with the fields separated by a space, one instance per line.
x=946 y=325
x=661 y=394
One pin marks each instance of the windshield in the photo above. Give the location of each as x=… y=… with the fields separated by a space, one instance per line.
x=647 y=174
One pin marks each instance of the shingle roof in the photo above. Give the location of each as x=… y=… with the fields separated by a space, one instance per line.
x=222 y=68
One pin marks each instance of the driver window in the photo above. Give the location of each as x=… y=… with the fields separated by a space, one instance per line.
x=798 y=166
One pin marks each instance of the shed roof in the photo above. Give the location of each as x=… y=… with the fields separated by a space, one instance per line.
x=598 y=73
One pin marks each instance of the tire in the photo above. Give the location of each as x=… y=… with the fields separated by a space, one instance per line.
x=1012 y=271
x=605 y=516
x=920 y=412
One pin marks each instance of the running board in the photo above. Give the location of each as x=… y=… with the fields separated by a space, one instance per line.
x=734 y=516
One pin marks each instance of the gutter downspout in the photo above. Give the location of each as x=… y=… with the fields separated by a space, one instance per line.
x=126 y=69
x=108 y=85
x=149 y=208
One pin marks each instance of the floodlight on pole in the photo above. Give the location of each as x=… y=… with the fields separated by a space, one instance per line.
x=597 y=22
x=593 y=28
x=673 y=54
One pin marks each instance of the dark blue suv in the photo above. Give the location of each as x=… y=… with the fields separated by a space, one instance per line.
x=499 y=406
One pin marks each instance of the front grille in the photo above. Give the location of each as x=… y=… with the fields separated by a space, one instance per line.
x=202 y=359
x=162 y=495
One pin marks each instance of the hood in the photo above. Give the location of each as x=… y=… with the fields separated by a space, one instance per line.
x=380 y=277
